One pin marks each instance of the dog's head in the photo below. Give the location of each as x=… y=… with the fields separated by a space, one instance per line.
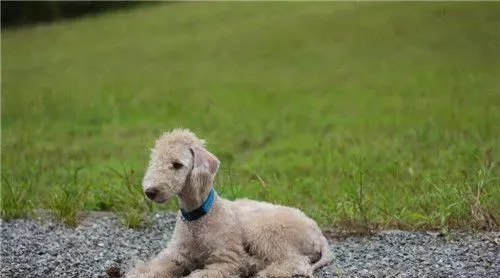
x=178 y=160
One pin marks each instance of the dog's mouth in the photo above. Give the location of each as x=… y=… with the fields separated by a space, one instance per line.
x=159 y=200
x=156 y=195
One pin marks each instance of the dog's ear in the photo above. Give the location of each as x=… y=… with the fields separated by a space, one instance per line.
x=205 y=166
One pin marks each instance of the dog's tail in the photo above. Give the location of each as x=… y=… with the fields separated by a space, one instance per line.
x=325 y=255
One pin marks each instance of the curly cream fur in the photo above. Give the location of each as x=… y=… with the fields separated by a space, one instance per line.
x=236 y=238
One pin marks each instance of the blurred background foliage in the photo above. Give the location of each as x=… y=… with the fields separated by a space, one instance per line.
x=16 y=13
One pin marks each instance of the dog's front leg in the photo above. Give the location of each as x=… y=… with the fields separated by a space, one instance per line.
x=167 y=264
x=216 y=270
x=223 y=264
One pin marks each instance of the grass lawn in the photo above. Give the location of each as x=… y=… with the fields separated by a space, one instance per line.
x=357 y=113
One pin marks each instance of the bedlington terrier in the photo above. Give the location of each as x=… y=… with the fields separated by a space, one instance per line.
x=218 y=238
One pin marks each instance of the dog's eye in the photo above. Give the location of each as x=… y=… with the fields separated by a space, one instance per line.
x=177 y=165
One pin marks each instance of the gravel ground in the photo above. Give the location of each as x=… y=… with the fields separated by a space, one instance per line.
x=40 y=248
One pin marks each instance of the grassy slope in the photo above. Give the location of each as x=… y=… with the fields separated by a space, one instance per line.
x=301 y=102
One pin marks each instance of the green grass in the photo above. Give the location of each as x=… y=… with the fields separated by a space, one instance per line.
x=374 y=113
x=67 y=199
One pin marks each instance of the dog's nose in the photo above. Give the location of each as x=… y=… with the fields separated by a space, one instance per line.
x=151 y=193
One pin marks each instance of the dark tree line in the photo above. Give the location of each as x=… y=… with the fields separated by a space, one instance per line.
x=28 y=12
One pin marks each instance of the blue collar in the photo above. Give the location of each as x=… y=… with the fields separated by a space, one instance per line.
x=201 y=211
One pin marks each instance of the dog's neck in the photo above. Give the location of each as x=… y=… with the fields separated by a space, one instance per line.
x=202 y=210
x=191 y=198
